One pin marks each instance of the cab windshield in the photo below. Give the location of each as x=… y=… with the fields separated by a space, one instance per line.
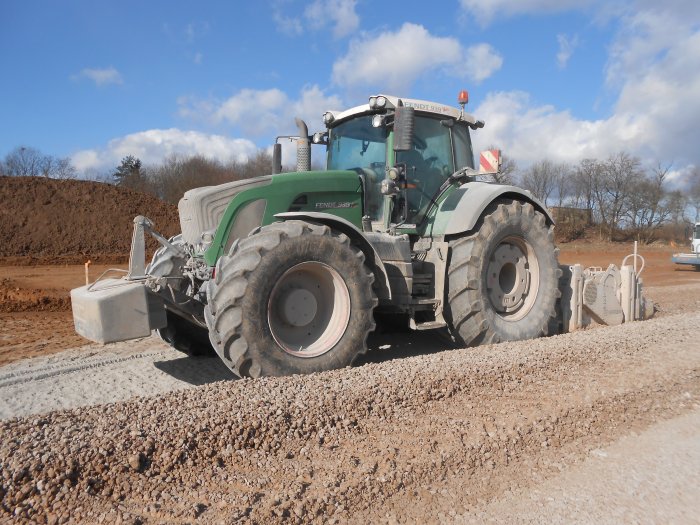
x=356 y=145
x=439 y=149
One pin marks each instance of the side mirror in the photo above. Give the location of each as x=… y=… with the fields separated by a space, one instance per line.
x=320 y=137
x=404 y=128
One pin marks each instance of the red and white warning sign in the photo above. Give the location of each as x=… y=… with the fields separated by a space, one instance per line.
x=490 y=161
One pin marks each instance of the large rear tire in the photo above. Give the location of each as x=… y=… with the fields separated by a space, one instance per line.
x=292 y=298
x=502 y=281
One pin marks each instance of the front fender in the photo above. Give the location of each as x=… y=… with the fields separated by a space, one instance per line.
x=461 y=210
x=342 y=225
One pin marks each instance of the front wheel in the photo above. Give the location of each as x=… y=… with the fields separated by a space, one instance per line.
x=502 y=281
x=185 y=336
x=292 y=298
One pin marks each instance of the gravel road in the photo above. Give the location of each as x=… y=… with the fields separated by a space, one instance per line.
x=651 y=477
x=101 y=374
x=430 y=438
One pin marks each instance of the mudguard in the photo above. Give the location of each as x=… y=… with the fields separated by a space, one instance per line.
x=349 y=229
x=461 y=210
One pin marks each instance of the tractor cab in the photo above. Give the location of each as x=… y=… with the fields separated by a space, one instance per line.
x=404 y=150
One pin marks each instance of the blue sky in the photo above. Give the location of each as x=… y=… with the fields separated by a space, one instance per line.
x=560 y=79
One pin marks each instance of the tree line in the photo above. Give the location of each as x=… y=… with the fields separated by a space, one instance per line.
x=625 y=199
x=178 y=174
x=622 y=198
x=25 y=161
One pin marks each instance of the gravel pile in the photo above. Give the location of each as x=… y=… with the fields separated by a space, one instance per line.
x=421 y=439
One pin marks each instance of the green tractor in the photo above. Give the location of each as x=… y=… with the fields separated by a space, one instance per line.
x=286 y=273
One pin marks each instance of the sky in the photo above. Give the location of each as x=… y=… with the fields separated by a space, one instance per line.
x=556 y=79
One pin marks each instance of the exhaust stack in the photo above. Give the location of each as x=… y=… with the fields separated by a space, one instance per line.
x=303 y=147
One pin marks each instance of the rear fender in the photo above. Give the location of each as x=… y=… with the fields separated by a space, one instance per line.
x=344 y=226
x=461 y=210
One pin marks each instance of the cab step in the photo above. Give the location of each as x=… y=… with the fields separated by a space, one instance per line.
x=427 y=325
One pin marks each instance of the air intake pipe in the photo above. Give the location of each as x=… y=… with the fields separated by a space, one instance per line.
x=303 y=147
x=276 y=158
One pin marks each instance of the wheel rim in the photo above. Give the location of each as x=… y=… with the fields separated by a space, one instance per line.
x=512 y=278
x=309 y=309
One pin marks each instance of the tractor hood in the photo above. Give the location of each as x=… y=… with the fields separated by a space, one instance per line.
x=201 y=209
x=213 y=217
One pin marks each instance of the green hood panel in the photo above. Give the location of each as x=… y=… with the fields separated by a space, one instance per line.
x=336 y=192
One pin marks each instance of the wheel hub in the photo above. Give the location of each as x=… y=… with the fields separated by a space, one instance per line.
x=308 y=309
x=508 y=278
x=299 y=307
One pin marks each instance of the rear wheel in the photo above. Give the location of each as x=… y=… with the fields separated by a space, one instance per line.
x=502 y=281
x=292 y=298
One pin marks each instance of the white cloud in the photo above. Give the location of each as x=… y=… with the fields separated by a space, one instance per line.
x=396 y=59
x=486 y=11
x=194 y=30
x=341 y=13
x=567 y=45
x=481 y=61
x=681 y=177
x=529 y=133
x=254 y=110
x=101 y=77
x=287 y=25
x=153 y=145
x=319 y=14
x=260 y=112
x=653 y=66
x=656 y=61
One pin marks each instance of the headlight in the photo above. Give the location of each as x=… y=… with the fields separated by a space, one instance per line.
x=328 y=118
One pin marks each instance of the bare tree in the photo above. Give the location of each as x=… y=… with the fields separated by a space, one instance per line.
x=647 y=204
x=540 y=179
x=63 y=169
x=677 y=202
x=24 y=161
x=611 y=188
x=178 y=174
x=582 y=181
x=256 y=166
x=563 y=185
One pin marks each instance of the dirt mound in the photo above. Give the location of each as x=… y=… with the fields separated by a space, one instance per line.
x=70 y=221
x=13 y=298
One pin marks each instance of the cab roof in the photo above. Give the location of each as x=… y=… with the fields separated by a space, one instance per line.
x=420 y=106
